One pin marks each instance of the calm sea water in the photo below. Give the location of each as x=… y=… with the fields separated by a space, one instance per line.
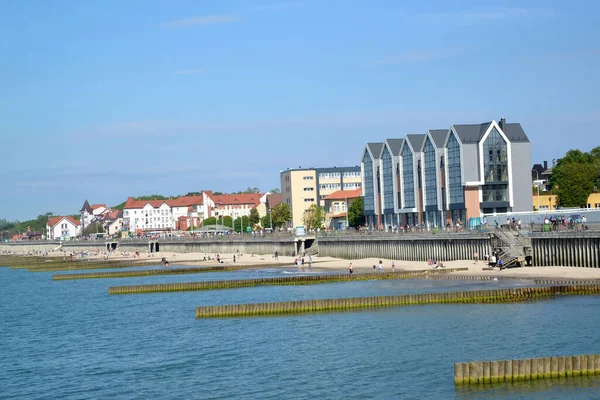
x=70 y=340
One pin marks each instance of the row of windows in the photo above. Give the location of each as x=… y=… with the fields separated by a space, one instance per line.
x=308 y=178
x=388 y=181
x=408 y=178
x=309 y=189
x=310 y=200
x=352 y=185
x=353 y=174
x=330 y=186
x=338 y=208
x=369 y=201
x=430 y=174
x=329 y=175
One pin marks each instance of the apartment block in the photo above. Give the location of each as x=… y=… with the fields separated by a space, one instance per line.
x=447 y=176
x=303 y=187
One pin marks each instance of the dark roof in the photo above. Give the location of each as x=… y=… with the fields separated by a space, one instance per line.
x=514 y=133
x=416 y=141
x=473 y=133
x=375 y=149
x=86 y=207
x=395 y=145
x=439 y=136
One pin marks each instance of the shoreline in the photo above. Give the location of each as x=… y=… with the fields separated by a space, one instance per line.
x=359 y=265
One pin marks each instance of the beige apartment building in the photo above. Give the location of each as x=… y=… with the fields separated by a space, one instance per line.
x=303 y=187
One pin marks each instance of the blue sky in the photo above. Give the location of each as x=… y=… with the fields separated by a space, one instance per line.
x=102 y=100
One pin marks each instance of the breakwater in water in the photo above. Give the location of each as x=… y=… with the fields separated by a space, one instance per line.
x=279 y=281
x=477 y=296
x=479 y=372
x=164 y=271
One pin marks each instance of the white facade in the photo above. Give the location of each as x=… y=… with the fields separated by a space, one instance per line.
x=61 y=227
x=149 y=217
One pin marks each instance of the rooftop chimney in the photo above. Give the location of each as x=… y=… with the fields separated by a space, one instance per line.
x=545 y=165
x=502 y=123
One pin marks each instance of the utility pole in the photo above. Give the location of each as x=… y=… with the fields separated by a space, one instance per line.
x=538 y=188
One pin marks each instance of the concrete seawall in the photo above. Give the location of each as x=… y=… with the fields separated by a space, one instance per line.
x=408 y=248
x=566 y=250
x=554 y=249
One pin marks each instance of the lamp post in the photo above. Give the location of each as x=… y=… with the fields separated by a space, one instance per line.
x=538 y=187
x=271 y=219
x=347 y=209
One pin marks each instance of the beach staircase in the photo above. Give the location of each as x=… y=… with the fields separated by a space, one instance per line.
x=513 y=247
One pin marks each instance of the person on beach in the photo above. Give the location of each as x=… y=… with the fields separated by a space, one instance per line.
x=475 y=257
x=309 y=261
x=350 y=269
x=380 y=266
x=393 y=265
x=276 y=255
x=234 y=258
x=374 y=267
x=500 y=264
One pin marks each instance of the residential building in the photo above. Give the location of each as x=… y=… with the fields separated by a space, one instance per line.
x=337 y=205
x=184 y=212
x=548 y=202
x=447 y=176
x=62 y=227
x=303 y=187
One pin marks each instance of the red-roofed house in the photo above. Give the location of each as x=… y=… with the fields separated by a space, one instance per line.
x=336 y=207
x=61 y=227
x=163 y=215
x=234 y=205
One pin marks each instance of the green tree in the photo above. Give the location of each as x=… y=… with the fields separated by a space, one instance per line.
x=251 y=190
x=281 y=215
x=254 y=217
x=93 y=227
x=574 y=183
x=356 y=214
x=274 y=191
x=241 y=223
x=226 y=221
x=265 y=221
x=313 y=217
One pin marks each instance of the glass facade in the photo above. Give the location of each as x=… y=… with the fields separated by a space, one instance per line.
x=408 y=177
x=457 y=194
x=495 y=167
x=368 y=189
x=430 y=174
x=388 y=180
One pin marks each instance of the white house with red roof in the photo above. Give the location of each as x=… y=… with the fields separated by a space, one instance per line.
x=62 y=227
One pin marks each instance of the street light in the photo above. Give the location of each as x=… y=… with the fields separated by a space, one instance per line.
x=538 y=187
x=347 y=209
x=271 y=219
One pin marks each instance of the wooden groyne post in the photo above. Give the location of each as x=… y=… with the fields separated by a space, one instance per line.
x=527 y=369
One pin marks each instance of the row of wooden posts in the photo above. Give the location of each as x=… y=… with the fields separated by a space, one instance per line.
x=477 y=296
x=162 y=271
x=277 y=281
x=480 y=372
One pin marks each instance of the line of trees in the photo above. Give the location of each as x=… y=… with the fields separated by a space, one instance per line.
x=575 y=177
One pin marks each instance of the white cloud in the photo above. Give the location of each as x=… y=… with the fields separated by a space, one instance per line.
x=201 y=20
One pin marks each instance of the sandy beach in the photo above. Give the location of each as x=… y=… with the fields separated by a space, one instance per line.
x=362 y=265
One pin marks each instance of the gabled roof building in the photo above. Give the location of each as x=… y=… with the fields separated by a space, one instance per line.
x=448 y=176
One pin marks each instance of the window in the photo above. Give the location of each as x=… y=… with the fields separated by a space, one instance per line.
x=430 y=174
x=329 y=175
x=388 y=180
x=336 y=208
x=408 y=177
x=311 y=200
x=495 y=168
x=308 y=178
x=457 y=194
x=309 y=189
x=330 y=186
